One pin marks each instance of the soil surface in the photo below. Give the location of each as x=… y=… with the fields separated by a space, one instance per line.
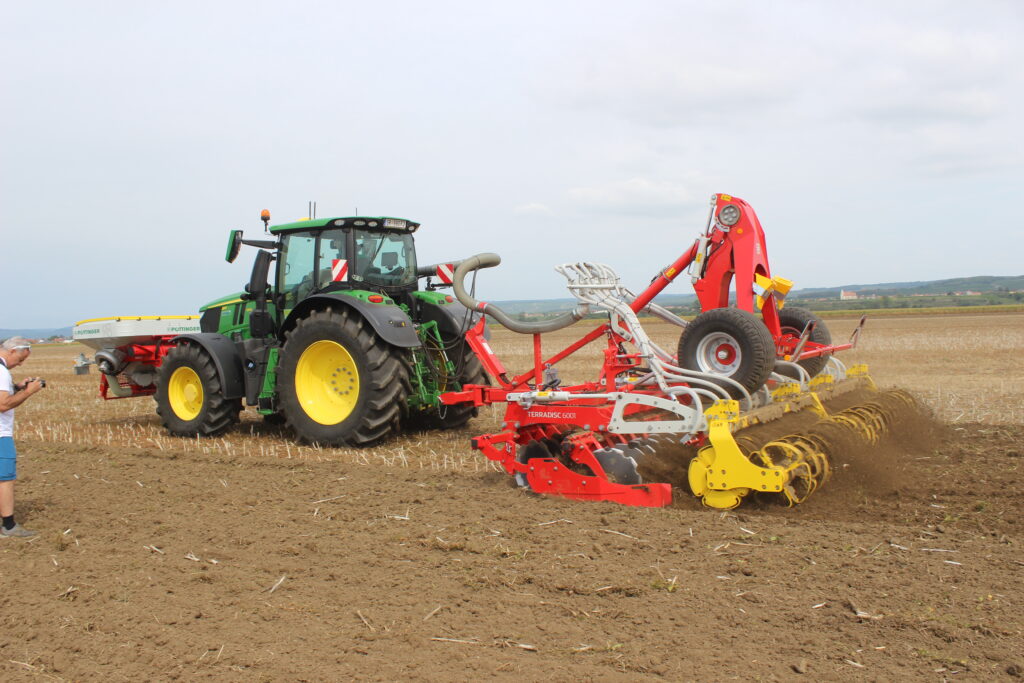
x=163 y=566
x=248 y=558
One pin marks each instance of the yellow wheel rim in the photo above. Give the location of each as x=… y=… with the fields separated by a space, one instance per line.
x=185 y=393
x=327 y=382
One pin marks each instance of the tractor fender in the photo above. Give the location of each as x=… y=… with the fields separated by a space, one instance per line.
x=225 y=358
x=453 y=318
x=389 y=322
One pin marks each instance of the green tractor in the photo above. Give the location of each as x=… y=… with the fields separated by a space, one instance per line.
x=342 y=345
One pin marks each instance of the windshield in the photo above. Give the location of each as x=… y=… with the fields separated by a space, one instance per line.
x=386 y=259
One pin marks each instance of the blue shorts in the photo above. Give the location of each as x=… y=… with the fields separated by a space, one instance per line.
x=8 y=459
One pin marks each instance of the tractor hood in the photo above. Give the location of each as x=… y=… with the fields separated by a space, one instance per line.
x=223 y=301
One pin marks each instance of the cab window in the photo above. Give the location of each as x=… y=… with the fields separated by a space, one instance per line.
x=385 y=259
x=331 y=250
x=295 y=271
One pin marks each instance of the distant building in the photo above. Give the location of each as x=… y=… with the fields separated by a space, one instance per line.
x=847 y=296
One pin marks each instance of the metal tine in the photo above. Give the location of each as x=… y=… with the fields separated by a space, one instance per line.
x=598 y=285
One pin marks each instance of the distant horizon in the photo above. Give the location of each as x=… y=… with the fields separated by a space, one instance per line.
x=39 y=331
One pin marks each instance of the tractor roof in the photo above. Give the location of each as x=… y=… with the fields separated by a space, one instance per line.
x=362 y=222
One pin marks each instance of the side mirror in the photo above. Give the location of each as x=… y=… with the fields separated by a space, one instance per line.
x=260 y=322
x=234 y=245
x=257 y=287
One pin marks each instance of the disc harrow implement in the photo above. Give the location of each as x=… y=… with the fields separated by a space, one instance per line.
x=736 y=368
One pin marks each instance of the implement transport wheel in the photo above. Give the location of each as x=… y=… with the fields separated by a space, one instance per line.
x=468 y=370
x=793 y=321
x=189 y=394
x=339 y=383
x=730 y=342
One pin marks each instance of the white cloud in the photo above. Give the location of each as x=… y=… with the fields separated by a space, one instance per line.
x=637 y=196
x=923 y=75
x=533 y=209
x=659 y=91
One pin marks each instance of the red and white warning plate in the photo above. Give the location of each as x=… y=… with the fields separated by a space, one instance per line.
x=446 y=273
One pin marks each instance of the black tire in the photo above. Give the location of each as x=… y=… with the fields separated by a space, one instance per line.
x=793 y=320
x=373 y=369
x=468 y=371
x=747 y=345
x=189 y=394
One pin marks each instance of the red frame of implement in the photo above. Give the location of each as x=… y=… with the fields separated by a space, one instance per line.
x=147 y=354
x=728 y=253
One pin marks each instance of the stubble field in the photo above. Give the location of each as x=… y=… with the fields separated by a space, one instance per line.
x=249 y=557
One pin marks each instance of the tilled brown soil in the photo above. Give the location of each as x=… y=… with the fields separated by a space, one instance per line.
x=157 y=565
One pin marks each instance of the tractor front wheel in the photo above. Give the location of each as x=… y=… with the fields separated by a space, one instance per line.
x=730 y=342
x=340 y=384
x=189 y=394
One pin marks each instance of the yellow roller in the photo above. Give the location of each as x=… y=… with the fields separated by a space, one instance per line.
x=729 y=468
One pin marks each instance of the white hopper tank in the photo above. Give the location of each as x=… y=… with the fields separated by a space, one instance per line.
x=110 y=333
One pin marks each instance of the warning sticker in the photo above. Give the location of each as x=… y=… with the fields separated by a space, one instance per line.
x=445 y=273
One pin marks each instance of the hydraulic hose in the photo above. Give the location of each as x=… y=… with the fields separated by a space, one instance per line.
x=479 y=261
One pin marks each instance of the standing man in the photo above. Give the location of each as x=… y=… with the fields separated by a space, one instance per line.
x=13 y=353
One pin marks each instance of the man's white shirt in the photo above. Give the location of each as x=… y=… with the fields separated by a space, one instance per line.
x=6 y=416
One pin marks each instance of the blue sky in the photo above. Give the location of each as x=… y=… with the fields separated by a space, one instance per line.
x=878 y=142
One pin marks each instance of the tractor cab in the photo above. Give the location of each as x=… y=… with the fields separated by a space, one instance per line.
x=363 y=253
x=357 y=255
x=353 y=253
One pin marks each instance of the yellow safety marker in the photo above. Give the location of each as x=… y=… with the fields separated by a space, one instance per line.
x=139 y=317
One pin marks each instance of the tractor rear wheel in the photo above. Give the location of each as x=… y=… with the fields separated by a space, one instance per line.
x=340 y=384
x=793 y=320
x=189 y=394
x=468 y=370
x=730 y=342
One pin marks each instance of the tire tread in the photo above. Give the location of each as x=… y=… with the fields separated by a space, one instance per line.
x=217 y=415
x=746 y=328
x=385 y=384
